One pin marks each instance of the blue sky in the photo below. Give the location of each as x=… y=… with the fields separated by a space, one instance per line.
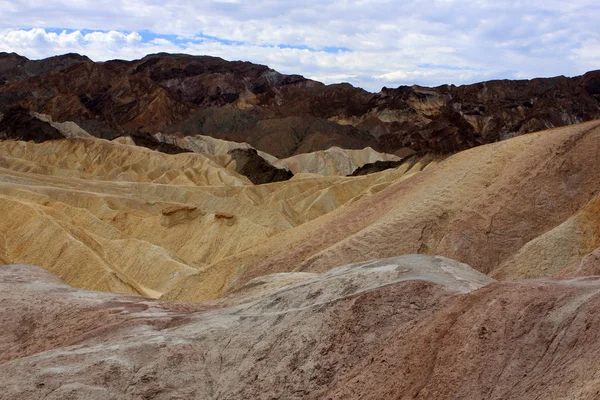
x=369 y=43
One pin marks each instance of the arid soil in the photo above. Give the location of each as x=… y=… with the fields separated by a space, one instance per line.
x=184 y=227
x=408 y=327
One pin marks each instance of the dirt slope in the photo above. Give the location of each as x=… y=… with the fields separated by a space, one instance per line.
x=184 y=227
x=482 y=207
x=407 y=327
x=109 y=216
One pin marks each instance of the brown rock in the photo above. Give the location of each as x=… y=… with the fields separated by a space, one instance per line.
x=174 y=209
x=377 y=166
x=256 y=168
x=176 y=215
x=18 y=124
x=222 y=215
x=285 y=115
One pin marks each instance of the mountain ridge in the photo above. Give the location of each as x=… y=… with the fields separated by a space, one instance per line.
x=286 y=115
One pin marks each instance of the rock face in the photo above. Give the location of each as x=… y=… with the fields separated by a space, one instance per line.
x=256 y=168
x=285 y=115
x=175 y=215
x=17 y=123
x=376 y=166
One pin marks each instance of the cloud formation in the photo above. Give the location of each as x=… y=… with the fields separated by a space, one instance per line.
x=369 y=43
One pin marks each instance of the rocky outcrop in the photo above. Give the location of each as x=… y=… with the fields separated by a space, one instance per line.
x=150 y=142
x=18 y=123
x=376 y=166
x=285 y=115
x=176 y=215
x=256 y=168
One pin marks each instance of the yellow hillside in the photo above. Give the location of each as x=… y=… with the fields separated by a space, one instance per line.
x=109 y=216
x=116 y=217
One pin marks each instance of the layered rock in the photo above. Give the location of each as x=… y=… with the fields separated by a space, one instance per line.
x=257 y=169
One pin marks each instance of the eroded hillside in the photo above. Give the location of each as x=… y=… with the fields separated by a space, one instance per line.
x=109 y=216
x=173 y=262
x=507 y=209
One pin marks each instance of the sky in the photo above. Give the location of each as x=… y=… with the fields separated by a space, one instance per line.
x=368 y=43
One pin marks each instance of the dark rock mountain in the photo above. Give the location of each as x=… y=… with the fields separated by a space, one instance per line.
x=281 y=137
x=286 y=115
x=14 y=67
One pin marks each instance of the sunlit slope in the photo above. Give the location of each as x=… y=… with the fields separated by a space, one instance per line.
x=482 y=206
x=333 y=161
x=114 y=217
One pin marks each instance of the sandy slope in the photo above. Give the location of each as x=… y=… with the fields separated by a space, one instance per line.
x=481 y=206
x=114 y=217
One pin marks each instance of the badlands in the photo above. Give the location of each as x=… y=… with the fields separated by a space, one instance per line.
x=184 y=227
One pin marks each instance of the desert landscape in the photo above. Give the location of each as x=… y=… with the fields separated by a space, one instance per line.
x=185 y=227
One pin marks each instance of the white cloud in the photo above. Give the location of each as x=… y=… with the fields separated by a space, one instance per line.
x=389 y=42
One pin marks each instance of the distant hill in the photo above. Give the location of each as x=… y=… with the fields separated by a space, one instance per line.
x=286 y=115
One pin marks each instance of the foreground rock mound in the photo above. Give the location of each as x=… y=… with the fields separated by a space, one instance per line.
x=407 y=327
